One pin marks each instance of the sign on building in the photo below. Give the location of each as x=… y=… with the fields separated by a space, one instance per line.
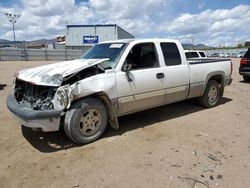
x=90 y=39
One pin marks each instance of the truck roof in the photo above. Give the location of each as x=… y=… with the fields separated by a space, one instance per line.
x=141 y=40
x=194 y=51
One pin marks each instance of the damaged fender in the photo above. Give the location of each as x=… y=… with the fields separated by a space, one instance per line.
x=101 y=86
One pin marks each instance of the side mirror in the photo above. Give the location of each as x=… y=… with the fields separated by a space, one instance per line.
x=127 y=67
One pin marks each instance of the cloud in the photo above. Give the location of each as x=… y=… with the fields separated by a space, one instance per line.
x=213 y=25
x=142 y=18
x=48 y=7
x=137 y=16
x=44 y=19
x=40 y=17
x=201 y=5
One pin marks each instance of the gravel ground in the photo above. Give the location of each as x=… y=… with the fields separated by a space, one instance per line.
x=178 y=145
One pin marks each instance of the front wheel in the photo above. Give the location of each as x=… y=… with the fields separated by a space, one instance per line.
x=211 y=96
x=86 y=120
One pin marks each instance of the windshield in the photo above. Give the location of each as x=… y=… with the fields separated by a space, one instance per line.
x=111 y=51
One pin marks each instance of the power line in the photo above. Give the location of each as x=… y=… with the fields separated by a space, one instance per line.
x=13 y=19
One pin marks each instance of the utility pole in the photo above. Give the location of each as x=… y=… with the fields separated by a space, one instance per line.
x=193 y=40
x=13 y=19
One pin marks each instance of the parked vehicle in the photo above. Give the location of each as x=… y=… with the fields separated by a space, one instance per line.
x=113 y=79
x=222 y=55
x=192 y=54
x=214 y=55
x=244 y=69
x=240 y=54
x=233 y=55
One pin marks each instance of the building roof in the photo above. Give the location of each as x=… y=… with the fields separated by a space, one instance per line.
x=94 y=25
x=101 y=25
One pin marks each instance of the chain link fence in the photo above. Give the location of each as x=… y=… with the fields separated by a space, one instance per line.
x=22 y=54
x=227 y=50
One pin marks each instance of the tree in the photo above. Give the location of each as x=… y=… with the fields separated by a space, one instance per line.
x=247 y=43
x=239 y=45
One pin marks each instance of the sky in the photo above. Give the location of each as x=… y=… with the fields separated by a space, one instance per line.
x=211 y=22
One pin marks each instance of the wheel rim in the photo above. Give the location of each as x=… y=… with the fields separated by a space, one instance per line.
x=90 y=122
x=212 y=94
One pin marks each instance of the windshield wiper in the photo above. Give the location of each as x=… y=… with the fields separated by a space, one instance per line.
x=108 y=67
x=101 y=67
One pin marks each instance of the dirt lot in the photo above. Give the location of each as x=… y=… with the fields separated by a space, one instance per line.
x=179 y=145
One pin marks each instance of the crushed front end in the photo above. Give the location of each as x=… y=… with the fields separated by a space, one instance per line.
x=34 y=105
x=42 y=95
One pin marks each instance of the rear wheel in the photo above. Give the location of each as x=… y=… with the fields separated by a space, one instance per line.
x=211 y=96
x=86 y=120
x=246 y=78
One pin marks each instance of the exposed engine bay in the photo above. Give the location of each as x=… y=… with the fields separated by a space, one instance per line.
x=85 y=73
x=38 y=97
x=35 y=96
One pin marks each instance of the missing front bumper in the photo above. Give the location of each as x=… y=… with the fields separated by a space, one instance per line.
x=47 y=120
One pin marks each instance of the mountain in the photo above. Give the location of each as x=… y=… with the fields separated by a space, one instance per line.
x=41 y=41
x=196 y=46
x=3 y=41
x=8 y=43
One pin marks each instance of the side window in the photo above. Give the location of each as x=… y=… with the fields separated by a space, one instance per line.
x=171 y=54
x=142 y=56
x=188 y=54
x=194 y=54
x=202 y=54
x=247 y=54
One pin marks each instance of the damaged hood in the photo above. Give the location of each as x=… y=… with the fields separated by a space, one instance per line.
x=53 y=74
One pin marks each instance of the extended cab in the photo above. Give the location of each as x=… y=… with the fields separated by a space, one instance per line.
x=113 y=79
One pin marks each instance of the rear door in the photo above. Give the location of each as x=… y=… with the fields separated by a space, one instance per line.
x=176 y=73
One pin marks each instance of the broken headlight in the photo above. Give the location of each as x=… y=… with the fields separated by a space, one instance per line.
x=61 y=99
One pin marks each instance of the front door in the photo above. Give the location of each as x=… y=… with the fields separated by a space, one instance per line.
x=143 y=86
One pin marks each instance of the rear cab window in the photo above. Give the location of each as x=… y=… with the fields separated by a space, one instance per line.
x=202 y=54
x=191 y=54
x=171 y=53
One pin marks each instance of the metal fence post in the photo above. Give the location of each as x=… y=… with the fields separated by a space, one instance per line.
x=65 y=54
x=45 y=53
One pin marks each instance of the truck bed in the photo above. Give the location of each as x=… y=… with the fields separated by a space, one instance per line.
x=205 y=69
x=199 y=61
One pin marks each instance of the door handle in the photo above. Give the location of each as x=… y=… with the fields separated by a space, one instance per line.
x=160 y=75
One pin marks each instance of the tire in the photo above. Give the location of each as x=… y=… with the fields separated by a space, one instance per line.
x=211 y=96
x=246 y=78
x=86 y=120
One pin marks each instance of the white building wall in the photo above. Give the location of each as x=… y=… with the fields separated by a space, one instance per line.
x=75 y=33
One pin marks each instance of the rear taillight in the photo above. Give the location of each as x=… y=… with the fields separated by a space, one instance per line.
x=243 y=61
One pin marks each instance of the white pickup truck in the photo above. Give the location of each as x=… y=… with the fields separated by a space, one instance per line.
x=113 y=79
